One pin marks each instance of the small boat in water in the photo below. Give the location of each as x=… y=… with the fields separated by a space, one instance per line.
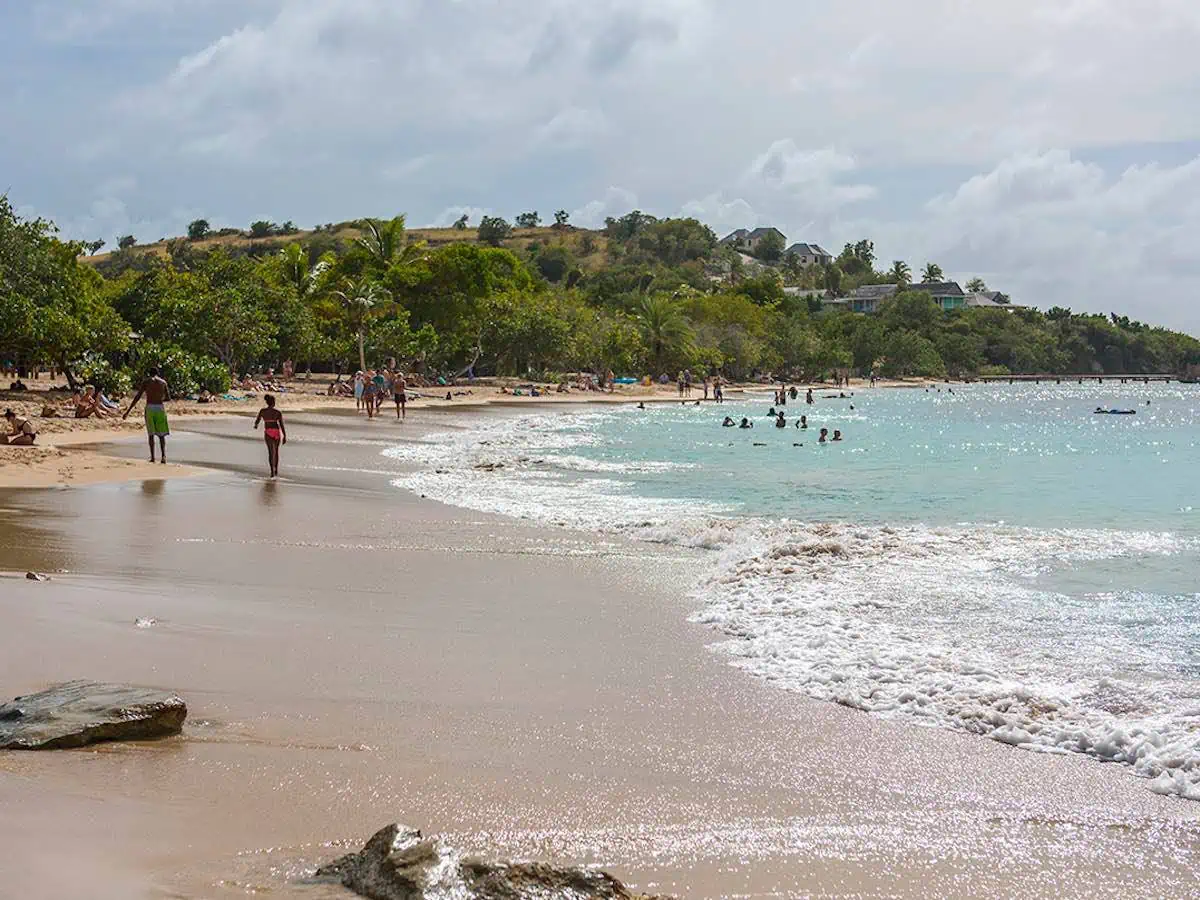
x=1115 y=412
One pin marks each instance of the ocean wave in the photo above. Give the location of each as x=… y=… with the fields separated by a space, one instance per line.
x=941 y=626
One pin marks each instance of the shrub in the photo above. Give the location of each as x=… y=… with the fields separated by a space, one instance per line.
x=97 y=370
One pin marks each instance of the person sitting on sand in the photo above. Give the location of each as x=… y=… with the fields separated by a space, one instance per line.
x=746 y=423
x=728 y=423
x=273 y=431
x=204 y=397
x=18 y=386
x=780 y=421
x=92 y=397
x=22 y=432
x=837 y=435
x=824 y=434
x=83 y=408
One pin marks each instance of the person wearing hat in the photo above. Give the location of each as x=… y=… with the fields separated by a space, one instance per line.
x=23 y=432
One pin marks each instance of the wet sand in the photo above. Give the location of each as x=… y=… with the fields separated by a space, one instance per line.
x=353 y=655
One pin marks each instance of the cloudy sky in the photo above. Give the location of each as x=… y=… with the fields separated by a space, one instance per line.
x=1050 y=146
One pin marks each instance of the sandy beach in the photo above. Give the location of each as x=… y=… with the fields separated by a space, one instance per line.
x=353 y=655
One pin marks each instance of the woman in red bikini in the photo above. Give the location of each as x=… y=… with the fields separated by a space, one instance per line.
x=273 y=431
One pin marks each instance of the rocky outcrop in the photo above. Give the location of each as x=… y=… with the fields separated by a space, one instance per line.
x=399 y=864
x=78 y=713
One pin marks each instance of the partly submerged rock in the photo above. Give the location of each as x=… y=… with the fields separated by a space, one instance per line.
x=397 y=863
x=78 y=713
x=36 y=576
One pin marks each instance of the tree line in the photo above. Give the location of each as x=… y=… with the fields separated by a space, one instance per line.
x=642 y=296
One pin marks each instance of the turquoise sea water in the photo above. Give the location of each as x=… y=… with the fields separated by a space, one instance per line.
x=998 y=559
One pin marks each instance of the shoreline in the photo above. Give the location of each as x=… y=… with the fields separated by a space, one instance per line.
x=68 y=453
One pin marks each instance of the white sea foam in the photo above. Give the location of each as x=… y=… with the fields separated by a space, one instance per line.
x=940 y=626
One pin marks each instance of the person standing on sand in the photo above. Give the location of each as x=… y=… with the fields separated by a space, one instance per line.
x=157 y=393
x=400 y=395
x=273 y=431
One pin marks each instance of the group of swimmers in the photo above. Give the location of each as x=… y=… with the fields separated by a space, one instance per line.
x=781 y=422
x=372 y=388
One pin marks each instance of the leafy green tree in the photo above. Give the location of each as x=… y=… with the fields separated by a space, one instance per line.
x=198 y=229
x=976 y=286
x=493 y=230
x=93 y=247
x=900 y=273
x=554 y=263
x=126 y=242
x=460 y=224
x=220 y=309
x=857 y=259
x=262 y=228
x=628 y=225
x=931 y=274
x=665 y=330
x=770 y=248
x=528 y=220
x=560 y=218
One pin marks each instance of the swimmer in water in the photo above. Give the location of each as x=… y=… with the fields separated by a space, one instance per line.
x=780 y=421
x=837 y=435
x=771 y=412
x=641 y=406
x=803 y=423
x=746 y=423
x=808 y=398
x=824 y=432
x=728 y=423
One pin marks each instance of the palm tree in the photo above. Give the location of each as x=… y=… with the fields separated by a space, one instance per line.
x=900 y=273
x=359 y=297
x=932 y=273
x=663 y=326
x=386 y=242
x=976 y=285
x=306 y=280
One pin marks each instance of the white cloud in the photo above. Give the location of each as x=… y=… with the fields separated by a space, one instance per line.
x=616 y=202
x=1053 y=230
x=831 y=121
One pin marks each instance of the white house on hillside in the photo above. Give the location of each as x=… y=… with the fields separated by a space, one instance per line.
x=809 y=254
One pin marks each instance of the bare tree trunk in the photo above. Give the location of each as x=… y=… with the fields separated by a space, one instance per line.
x=362 y=356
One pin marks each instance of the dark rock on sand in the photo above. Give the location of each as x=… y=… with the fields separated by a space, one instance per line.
x=399 y=864
x=78 y=713
x=36 y=576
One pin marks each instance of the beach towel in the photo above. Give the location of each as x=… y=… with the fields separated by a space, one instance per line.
x=156 y=419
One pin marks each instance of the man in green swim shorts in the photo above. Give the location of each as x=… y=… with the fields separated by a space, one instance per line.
x=157 y=393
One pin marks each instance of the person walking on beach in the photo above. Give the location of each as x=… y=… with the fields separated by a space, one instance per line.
x=400 y=395
x=273 y=431
x=359 y=387
x=808 y=398
x=157 y=393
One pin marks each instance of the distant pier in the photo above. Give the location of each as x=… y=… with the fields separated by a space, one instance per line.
x=1080 y=379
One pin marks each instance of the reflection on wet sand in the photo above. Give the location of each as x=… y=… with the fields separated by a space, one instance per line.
x=352 y=656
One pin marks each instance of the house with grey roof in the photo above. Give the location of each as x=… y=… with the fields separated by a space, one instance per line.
x=991 y=300
x=809 y=254
x=748 y=241
x=866 y=298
